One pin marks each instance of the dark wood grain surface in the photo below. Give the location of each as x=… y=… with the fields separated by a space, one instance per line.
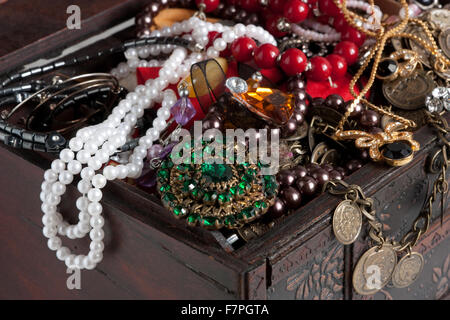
x=37 y=29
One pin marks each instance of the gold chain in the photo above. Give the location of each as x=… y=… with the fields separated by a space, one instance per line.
x=422 y=223
x=382 y=35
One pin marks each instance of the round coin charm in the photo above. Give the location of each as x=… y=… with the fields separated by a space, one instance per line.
x=409 y=93
x=407 y=270
x=444 y=41
x=347 y=222
x=318 y=152
x=374 y=269
x=439 y=18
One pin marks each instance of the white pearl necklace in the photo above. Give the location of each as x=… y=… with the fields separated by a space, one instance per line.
x=324 y=33
x=92 y=146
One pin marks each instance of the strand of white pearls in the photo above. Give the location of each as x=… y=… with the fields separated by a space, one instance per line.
x=92 y=146
x=316 y=31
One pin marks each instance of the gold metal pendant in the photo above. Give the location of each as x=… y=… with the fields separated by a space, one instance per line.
x=407 y=270
x=347 y=222
x=392 y=146
x=374 y=269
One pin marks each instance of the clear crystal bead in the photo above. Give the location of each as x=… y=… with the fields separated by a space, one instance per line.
x=434 y=104
x=236 y=85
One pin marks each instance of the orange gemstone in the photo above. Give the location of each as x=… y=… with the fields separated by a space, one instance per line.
x=270 y=104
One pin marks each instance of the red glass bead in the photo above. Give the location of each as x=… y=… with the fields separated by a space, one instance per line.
x=276 y=6
x=293 y=61
x=295 y=11
x=242 y=49
x=354 y=35
x=338 y=65
x=250 y=5
x=348 y=50
x=266 y=56
x=339 y=23
x=320 y=69
x=210 y=5
x=329 y=8
x=271 y=26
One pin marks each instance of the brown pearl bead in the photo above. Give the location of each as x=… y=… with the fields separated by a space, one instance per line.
x=356 y=111
x=295 y=83
x=374 y=130
x=229 y=12
x=334 y=101
x=321 y=176
x=310 y=167
x=240 y=16
x=363 y=154
x=289 y=128
x=286 y=177
x=307 y=185
x=144 y=33
x=153 y=8
x=291 y=197
x=144 y=21
x=353 y=165
x=369 y=118
x=298 y=117
x=335 y=175
x=278 y=209
x=340 y=170
x=211 y=122
x=219 y=10
x=252 y=19
x=300 y=172
x=301 y=106
x=299 y=94
x=317 y=102
x=326 y=166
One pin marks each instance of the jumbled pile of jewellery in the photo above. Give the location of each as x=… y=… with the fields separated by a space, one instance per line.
x=312 y=77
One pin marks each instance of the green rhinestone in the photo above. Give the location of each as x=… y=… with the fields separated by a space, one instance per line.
x=164 y=188
x=192 y=219
x=233 y=190
x=166 y=165
x=163 y=174
x=229 y=221
x=243 y=185
x=209 y=221
x=207 y=197
x=189 y=185
x=168 y=199
x=180 y=211
x=248 y=212
x=195 y=192
x=247 y=178
x=224 y=197
x=260 y=204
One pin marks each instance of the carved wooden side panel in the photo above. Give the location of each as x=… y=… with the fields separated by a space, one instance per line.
x=314 y=271
x=398 y=204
